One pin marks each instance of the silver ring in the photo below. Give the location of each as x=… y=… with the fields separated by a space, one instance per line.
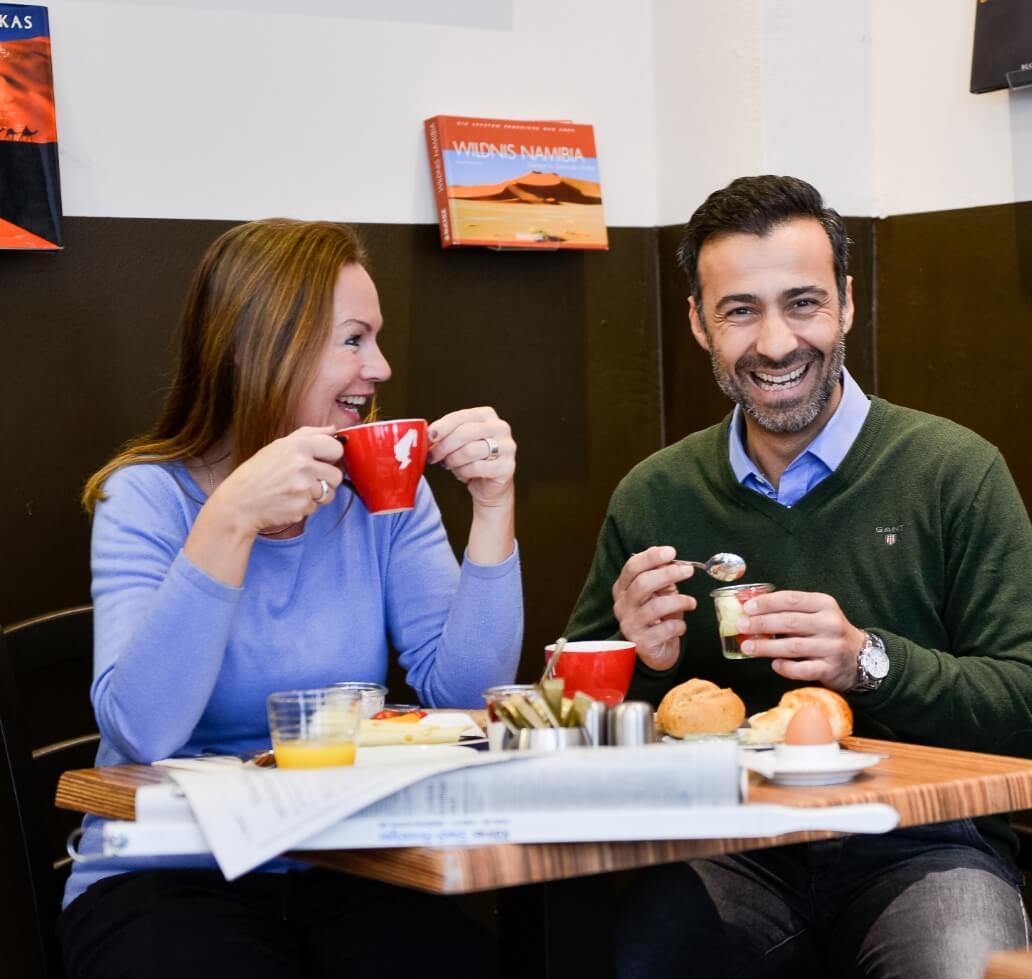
x=322 y=497
x=492 y=450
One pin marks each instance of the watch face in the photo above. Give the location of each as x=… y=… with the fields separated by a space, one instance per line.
x=875 y=660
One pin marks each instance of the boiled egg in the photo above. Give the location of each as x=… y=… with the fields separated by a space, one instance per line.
x=808 y=726
x=808 y=740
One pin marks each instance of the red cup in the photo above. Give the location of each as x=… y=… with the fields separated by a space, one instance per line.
x=600 y=669
x=385 y=461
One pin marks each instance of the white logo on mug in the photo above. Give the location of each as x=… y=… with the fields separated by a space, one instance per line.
x=403 y=448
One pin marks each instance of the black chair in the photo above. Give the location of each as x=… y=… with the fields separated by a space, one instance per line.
x=47 y=726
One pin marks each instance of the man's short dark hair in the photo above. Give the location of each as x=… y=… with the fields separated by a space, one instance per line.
x=755 y=206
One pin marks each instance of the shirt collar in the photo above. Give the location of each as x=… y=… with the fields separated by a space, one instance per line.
x=830 y=444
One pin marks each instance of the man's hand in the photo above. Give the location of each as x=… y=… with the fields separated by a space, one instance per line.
x=649 y=607
x=816 y=644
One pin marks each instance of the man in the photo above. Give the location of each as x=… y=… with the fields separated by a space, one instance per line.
x=901 y=551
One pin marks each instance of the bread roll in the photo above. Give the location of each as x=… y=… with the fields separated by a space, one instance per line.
x=834 y=706
x=769 y=727
x=700 y=707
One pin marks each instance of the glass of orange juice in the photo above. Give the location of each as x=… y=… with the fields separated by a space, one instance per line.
x=314 y=728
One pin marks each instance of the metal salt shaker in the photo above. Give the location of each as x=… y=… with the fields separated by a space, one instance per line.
x=595 y=723
x=630 y=723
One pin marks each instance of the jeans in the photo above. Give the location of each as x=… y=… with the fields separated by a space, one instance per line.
x=928 y=902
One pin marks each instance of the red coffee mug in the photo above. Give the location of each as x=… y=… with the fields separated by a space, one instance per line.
x=600 y=669
x=385 y=460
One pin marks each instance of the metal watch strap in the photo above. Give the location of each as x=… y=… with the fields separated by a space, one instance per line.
x=866 y=680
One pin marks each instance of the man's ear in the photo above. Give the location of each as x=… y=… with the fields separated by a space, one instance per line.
x=847 y=306
x=698 y=330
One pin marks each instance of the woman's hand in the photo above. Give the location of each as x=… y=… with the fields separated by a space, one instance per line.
x=281 y=484
x=477 y=448
x=276 y=488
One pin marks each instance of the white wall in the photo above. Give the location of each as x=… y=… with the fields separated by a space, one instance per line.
x=867 y=99
x=709 y=114
x=816 y=92
x=230 y=109
x=936 y=146
x=187 y=109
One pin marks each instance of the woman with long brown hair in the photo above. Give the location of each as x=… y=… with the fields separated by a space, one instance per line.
x=229 y=562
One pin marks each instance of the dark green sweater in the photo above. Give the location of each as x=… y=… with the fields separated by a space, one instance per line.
x=921 y=537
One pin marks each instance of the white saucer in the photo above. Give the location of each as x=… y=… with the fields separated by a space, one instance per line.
x=691 y=738
x=742 y=733
x=846 y=766
x=404 y=754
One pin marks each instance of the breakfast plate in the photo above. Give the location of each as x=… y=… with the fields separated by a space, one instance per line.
x=408 y=754
x=692 y=738
x=742 y=735
x=438 y=727
x=844 y=767
x=375 y=733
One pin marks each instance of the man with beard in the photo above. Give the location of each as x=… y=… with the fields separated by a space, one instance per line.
x=900 y=548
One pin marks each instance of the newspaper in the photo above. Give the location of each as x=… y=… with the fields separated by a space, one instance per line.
x=246 y=815
x=459 y=797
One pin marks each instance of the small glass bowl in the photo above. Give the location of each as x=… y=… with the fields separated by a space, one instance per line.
x=372 y=694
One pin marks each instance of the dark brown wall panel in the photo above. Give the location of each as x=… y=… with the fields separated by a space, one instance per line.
x=691 y=398
x=955 y=321
x=85 y=347
x=564 y=344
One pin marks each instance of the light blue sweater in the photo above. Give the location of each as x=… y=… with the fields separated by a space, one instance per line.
x=183 y=663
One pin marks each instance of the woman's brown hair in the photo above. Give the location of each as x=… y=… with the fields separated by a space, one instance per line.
x=255 y=322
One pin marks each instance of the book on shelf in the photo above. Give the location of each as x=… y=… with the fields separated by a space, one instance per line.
x=30 y=188
x=508 y=183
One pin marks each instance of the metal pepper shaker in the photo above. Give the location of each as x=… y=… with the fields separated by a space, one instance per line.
x=595 y=723
x=630 y=723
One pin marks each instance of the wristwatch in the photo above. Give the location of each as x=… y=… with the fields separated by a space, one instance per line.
x=872 y=664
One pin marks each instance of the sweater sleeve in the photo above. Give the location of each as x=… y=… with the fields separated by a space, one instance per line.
x=458 y=630
x=593 y=616
x=977 y=694
x=152 y=677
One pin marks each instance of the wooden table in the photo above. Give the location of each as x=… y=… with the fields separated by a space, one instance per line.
x=1009 y=965
x=925 y=785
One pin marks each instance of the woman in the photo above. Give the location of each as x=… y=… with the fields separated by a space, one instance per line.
x=228 y=562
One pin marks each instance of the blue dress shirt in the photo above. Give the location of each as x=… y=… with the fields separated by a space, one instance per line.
x=817 y=461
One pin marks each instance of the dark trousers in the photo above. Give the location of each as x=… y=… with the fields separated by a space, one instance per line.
x=927 y=902
x=191 y=924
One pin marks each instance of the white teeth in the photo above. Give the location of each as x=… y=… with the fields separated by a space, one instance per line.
x=782 y=380
x=353 y=402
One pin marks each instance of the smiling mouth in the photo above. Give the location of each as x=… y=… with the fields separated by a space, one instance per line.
x=353 y=403
x=780 y=382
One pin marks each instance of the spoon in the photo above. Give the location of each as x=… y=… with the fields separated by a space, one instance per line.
x=723 y=566
x=553 y=659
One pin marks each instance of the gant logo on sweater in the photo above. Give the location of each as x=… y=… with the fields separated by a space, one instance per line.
x=890 y=534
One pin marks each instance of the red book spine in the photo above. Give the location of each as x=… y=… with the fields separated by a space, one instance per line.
x=433 y=147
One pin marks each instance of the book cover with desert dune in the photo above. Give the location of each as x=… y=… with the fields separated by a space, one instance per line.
x=30 y=190
x=508 y=183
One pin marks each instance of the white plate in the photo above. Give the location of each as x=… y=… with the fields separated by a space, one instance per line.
x=846 y=767
x=404 y=754
x=692 y=738
x=742 y=734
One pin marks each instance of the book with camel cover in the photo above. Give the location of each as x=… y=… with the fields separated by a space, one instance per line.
x=30 y=188
x=508 y=183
